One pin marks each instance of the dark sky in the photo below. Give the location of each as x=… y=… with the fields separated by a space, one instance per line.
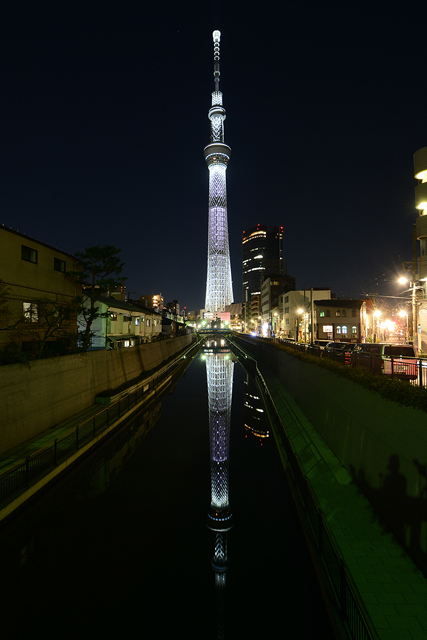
x=104 y=118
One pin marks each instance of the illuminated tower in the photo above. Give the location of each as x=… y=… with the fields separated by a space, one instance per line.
x=217 y=154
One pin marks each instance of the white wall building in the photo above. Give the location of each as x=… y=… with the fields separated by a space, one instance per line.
x=295 y=312
x=125 y=325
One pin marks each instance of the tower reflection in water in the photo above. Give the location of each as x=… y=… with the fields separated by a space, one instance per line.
x=219 y=374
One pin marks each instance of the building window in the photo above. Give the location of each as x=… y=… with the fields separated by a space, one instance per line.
x=344 y=313
x=286 y=299
x=30 y=311
x=354 y=312
x=354 y=330
x=148 y=322
x=328 y=313
x=127 y=318
x=338 y=329
x=137 y=321
x=322 y=314
x=338 y=313
x=286 y=310
x=328 y=328
x=28 y=254
x=113 y=315
x=287 y=321
x=59 y=265
x=344 y=329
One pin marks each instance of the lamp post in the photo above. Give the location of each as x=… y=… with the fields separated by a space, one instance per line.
x=413 y=288
x=404 y=314
x=377 y=315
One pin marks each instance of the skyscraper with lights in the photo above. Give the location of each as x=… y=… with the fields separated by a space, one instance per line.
x=219 y=291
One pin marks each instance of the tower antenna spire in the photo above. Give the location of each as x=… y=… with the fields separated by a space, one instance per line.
x=216 y=38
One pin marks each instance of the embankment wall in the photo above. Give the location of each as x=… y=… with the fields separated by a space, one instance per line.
x=381 y=444
x=38 y=395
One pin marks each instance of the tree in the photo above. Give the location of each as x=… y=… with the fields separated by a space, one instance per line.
x=98 y=271
x=6 y=317
x=54 y=318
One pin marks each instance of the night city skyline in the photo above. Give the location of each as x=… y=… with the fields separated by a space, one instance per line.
x=104 y=121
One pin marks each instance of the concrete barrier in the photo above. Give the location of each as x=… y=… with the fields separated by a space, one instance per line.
x=37 y=396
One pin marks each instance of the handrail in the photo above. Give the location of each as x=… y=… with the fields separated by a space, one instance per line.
x=348 y=598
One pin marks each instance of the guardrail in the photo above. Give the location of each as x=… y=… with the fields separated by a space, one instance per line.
x=346 y=594
x=19 y=476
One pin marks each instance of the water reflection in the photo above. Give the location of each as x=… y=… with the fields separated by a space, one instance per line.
x=219 y=375
x=255 y=423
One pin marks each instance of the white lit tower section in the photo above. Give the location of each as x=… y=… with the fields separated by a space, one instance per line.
x=219 y=291
x=219 y=373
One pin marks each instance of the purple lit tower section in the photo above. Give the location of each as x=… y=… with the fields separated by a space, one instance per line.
x=219 y=292
x=219 y=371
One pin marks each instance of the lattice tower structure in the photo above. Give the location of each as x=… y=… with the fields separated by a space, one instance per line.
x=219 y=288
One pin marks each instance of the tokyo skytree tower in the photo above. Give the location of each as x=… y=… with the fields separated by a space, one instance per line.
x=219 y=291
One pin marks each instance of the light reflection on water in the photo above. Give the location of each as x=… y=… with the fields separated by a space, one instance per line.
x=120 y=546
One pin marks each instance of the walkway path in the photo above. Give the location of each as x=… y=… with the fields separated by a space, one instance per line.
x=391 y=586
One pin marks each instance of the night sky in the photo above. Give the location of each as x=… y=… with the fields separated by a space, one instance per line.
x=104 y=119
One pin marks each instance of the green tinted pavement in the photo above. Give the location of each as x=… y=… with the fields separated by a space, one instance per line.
x=391 y=586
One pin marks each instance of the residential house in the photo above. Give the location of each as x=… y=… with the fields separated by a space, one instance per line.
x=32 y=274
x=343 y=320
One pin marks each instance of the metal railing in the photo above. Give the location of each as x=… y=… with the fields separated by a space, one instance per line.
x=346 y=594
x=20 y=475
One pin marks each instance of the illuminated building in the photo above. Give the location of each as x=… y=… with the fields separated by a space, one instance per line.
x=262 y=257
x=419 y=294
x=153 y=302
x=219 y=291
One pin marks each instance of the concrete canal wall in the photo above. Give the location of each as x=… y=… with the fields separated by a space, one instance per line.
x=36 y=396
x=381 y=444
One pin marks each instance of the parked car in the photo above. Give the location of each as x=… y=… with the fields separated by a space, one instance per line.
x=321 y=343
x=396 y=360
x=340 y=351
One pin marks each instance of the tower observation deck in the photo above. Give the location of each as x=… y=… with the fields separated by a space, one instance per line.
x=219 y=291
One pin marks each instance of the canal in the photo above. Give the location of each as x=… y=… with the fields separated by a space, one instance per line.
x=173 y=527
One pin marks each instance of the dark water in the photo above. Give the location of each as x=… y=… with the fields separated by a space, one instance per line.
x=120 y=547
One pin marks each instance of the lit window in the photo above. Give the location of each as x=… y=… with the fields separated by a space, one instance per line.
x=30 y=312
x=338 y=313
x=338 y=329
x=59 y=265
x=148 y=322
x=328 y=328
x=354 y=330
x=28 y=254
x=137 y=321
x=344 y=329
x=113 y=315
x=322 y=314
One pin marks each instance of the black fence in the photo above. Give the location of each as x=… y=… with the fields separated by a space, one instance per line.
x=22 y=474
x=346 y=594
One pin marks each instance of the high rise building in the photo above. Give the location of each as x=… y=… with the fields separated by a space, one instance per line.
x=262 y=257
x=219 y=291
